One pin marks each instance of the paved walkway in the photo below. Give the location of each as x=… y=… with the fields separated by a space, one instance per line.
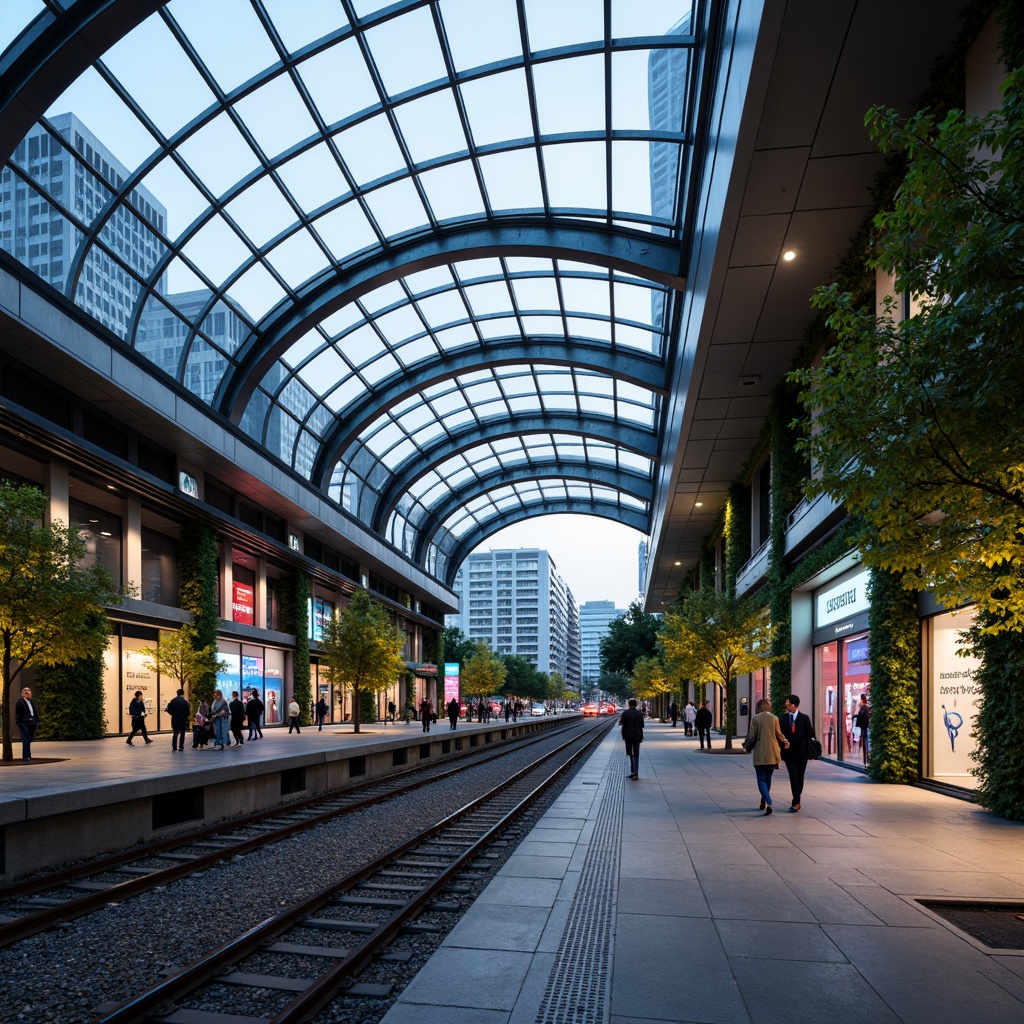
x=674 y=899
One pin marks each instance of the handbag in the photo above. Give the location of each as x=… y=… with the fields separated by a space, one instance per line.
x=814 y=748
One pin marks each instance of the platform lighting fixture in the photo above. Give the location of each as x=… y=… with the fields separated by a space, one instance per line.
x=677 y=563
x=698 y=504
x=789 y=255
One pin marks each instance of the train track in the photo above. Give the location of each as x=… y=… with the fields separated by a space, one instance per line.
x=349 y=924
x=34 y=905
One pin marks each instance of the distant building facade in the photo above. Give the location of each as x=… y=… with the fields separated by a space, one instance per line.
x=595 y=617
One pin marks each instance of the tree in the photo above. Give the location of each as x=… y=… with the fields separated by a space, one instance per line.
x=521 y=678
x=482 y=673
x=712 y=638
x=457 y=647
x=197 y=572
x=629 y=637
x=916 y=423
x=362 y=649
x=615 y=683
x=51 y=605
x=177 y=657
x=649 y=679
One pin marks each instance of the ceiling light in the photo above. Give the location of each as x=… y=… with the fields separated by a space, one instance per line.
x=104 y=533
x=789 y=255
x=698 y=504
x=677 y=563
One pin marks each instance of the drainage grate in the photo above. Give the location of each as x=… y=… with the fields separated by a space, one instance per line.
x=996 y=925
x=578 y=986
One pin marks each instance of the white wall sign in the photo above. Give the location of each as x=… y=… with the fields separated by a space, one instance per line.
x=842 y=601
x=188 y=484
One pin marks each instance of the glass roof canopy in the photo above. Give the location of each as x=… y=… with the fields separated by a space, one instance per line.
x=425 y=256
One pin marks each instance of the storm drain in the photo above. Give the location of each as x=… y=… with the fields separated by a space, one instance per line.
x=578 y=986
x=996 y=925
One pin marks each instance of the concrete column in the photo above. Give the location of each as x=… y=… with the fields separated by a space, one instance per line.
x=58 y=487
x=131 y=541
x=226 y=578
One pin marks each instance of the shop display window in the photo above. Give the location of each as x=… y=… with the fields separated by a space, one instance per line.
x=842 y=672
x=953 y=697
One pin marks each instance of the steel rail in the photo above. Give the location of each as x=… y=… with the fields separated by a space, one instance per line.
x=27 y=925
x=159 y=999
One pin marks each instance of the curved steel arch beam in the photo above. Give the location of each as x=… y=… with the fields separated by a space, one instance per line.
x=633 y=438
x=622 y=364
x=52 y=53
x=639 y=521
x=622 y=480
x=643 y=255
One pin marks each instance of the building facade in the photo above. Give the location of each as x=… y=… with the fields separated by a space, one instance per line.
x=595 y=617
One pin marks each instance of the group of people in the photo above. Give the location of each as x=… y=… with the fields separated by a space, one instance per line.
x=773 y=737
x=694 y=719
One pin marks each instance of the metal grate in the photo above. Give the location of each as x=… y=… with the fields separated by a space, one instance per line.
x=579 y=986
x=995 y=925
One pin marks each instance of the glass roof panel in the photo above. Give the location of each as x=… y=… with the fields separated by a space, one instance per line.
x=313 y=177
x=443 y=308
x=216 y=250
x=576 y=175
x=505 y=92
x=452 y=191
x=346 y=230
x=298 y=258
x=256 y=291
x=17 y=15
x=338 y=80
x=276 y=116
x=564 y=23
x=431 y=126
x=218 y=154
x=397 y=208
x=299 y=24
x=370 y=150
x=475 y=41
x=570 y=94
x=406 y=51
x=261 y=211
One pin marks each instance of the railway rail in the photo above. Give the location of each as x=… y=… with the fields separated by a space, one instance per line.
x=33 y=905
x=349 y=924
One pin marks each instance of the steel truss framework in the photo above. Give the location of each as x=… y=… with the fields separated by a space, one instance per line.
x=430 y=264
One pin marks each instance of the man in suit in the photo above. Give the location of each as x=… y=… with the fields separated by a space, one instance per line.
x=179 y=709
x=254 y=711
x=631 y=722
x=797 y=729
x=26 y=716
x=703 y=719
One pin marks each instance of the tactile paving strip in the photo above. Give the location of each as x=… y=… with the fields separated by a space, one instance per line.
x=579 y=985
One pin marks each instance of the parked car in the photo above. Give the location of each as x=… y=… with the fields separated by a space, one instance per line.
x=538 y=709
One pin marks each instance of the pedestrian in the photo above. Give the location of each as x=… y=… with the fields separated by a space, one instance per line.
x=254 y=712
x=391 y=710
x=293 y=716
x=321 y=713
x=26 y=717
x=220 y=714
x=201 y=726
x=236 y=712
x=137 y=711
x=862 y=719
x=631 y=724
x=453 y=711
x=702 y=719
x=797 y=729
x=673 y=713
x=179 y=710
x=689 y=716
x=425 y=711
x=481 y=711
x=763 y=741
x=508 y=710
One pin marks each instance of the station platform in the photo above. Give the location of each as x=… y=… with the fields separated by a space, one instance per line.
x=75 y=800
x=674 y=899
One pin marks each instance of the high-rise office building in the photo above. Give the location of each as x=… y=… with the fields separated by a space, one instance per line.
x=515 y=600
x=595 y=617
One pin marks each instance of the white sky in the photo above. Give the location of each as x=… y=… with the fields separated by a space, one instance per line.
x=597 y=558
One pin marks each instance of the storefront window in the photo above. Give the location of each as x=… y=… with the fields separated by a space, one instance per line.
x=102 y=535
x=952 y=701
x=273 y=667
x=826 y=672
x=842 y=673
x=136 y=676
x=159 y=582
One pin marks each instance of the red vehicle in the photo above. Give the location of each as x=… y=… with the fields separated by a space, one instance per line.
x=609 y=709
x=590 y=710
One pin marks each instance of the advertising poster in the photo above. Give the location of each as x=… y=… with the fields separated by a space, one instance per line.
x=229 y=679
x=135 y=676
x=252 y=673
x=954 y=703
x=272 y=702
x=451 y=680
x=242 y=603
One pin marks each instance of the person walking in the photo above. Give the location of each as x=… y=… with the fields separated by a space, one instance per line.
x=391 y=710
x=673 y=713
x=453 y=712
x=797 y=729
x=137 y=711
x=201 y=726
x=26 y=717
x=425 y=712
x=862 y=719
x=689 y=715
x=321 y=714
x=763 y=741
x=236 y=712
x=254 y=712
x=703 y=719
x=293 y=716
x=631 y=724
x=508 y=710
x=179 y=710
x=220 y=714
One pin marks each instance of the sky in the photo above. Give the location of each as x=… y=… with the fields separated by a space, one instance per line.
x=597 y=558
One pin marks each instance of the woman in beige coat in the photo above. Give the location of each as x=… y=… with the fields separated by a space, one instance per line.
x=763 y=741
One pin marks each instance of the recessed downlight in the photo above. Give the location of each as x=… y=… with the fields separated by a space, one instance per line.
x=789 y=255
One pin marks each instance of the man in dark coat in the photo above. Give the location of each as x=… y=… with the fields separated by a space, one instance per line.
x=425 y=711
x=137 y=710
x=703 y=720
x=673 y=713
x=321 y=714
x=453 y=712
x=26 y=717
x=236 y=709
x=179 y=710
x=797 y=728
x=631 y=723
x=254 y=712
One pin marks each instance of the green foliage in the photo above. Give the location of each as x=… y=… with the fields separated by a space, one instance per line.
x=294 y=615
x=483 y=673
x=362 y=649
x=70 y=701
x=736 y=533
x=918 y=428
x=712 y=637
x=649 y=679
x=197 y=572
x=434 y=646
x=51 y=606
x=457 y=646
x=177 y=656
x=615 y=683
x=629 y=637
x=999 y=724
x=894 y=649
x=522 y=679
